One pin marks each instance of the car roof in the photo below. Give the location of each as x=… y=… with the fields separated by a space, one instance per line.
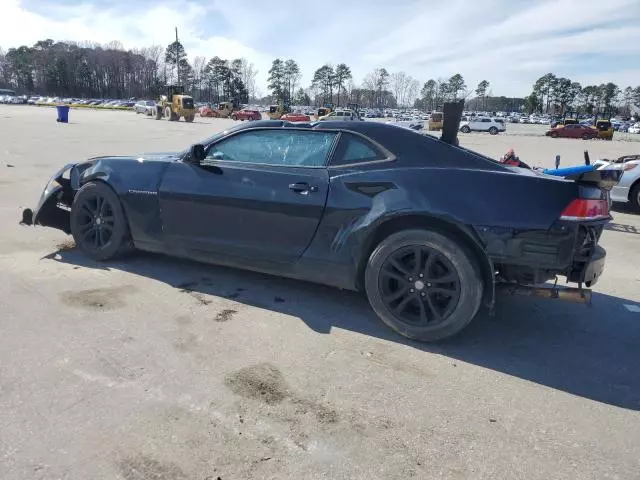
x=410 y=147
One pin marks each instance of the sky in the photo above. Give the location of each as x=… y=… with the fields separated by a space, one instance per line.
x=510 y=43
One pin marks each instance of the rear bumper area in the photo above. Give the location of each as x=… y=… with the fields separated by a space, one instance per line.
x=533 y=257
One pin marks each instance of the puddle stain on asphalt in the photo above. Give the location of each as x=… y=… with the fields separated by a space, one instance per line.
x=98 y=299
x=143 y=467
x=262 y=382
x=265 y=383
x=225 y=315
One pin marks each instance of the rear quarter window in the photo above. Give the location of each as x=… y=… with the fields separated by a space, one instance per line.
x=353 y=149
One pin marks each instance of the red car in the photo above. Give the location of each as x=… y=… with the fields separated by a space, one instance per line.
x=295 y=117
x=246 y=115
x=573 y=131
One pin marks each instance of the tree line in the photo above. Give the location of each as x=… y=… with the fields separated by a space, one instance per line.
x=91 y=70
x=558 y=95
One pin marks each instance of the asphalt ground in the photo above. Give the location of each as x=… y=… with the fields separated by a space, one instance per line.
x=155 y=368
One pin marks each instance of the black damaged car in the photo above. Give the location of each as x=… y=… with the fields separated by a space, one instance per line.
x=426 y=229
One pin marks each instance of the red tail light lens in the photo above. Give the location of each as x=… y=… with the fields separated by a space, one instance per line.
x=583 y=209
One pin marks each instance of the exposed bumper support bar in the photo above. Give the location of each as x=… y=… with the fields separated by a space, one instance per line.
x=576 y=295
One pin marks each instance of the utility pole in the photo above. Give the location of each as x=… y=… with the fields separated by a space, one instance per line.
x=177 y=59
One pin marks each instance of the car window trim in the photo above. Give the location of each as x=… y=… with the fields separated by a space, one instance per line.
x=389 y=157
x=254 y=129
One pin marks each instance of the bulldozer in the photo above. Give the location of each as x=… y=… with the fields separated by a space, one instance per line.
x=277 y=111
x=324 y=111
x=175 y=104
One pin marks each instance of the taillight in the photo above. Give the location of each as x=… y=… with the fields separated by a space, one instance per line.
x=585 y=209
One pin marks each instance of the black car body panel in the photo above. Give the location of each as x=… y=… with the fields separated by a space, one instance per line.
x=251 y=216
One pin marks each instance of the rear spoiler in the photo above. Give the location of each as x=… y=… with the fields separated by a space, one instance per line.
x=606 y=178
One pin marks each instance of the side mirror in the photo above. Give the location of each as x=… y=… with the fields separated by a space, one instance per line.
x=196 y=153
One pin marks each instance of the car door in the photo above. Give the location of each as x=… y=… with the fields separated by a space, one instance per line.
x=571 y=131
x=257 y=197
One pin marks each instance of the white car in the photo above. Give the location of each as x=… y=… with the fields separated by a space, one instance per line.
x=483 y=124
x=148 y=107
x=635 y=128
x=628 y=188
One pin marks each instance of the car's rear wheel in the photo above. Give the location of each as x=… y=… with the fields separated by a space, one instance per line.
x=423 y=284
x=553 y=134
x=493 y=131
x=98 y=224
x=586 y=136
x=465 y=129
x=634 y=197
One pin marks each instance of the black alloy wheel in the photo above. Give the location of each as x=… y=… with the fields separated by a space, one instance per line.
x=95 y=220
x=98 y=224
x=424 y=284
x=419 y=285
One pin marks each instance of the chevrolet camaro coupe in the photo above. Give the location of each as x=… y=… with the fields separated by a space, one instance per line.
x=424 y=228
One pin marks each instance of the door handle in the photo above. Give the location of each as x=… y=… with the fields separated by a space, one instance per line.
x=302 y=187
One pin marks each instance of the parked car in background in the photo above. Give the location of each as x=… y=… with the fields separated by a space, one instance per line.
x=148 y=107
x=341 y=115
x=635 y=128
x=246 y=114
x=628 y=188
x=573 y=131
x=483 y=124
x=296 y=117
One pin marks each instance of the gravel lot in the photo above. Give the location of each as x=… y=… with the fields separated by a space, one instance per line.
x=154 y=368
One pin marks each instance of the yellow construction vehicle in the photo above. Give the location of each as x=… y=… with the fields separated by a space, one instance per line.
x=175 y=104
x=324 y=111
x=276 y=111
x=435 y=121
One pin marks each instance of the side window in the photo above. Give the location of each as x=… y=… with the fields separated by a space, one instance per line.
x=274 y=147
x=486 y=120
x=353 y=149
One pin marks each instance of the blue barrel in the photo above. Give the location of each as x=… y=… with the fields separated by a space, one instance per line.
x=63 y=113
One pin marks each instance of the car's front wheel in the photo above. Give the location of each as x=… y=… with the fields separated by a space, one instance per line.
x=423 y=284
x=553 y=134
x=98 y=224
x=465 y=129
x=586 y=136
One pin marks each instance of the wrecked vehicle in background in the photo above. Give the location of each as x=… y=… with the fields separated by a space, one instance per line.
x=418 y=224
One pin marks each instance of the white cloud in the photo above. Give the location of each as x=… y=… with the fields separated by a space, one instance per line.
x=508 y=43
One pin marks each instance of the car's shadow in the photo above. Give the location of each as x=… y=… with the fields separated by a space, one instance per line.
x=592 y=352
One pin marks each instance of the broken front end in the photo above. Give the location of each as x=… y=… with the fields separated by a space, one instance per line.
x=54 y=206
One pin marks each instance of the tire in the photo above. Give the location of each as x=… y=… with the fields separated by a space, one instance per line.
x=465 y=129
x=168 y=114
x=234 y=118
x=634 y=197
x=98 y=224
x=493 y=131
x=392 y=278
x=553 y=134
x=189 y=118
x=586 y=136
x=158 y=113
